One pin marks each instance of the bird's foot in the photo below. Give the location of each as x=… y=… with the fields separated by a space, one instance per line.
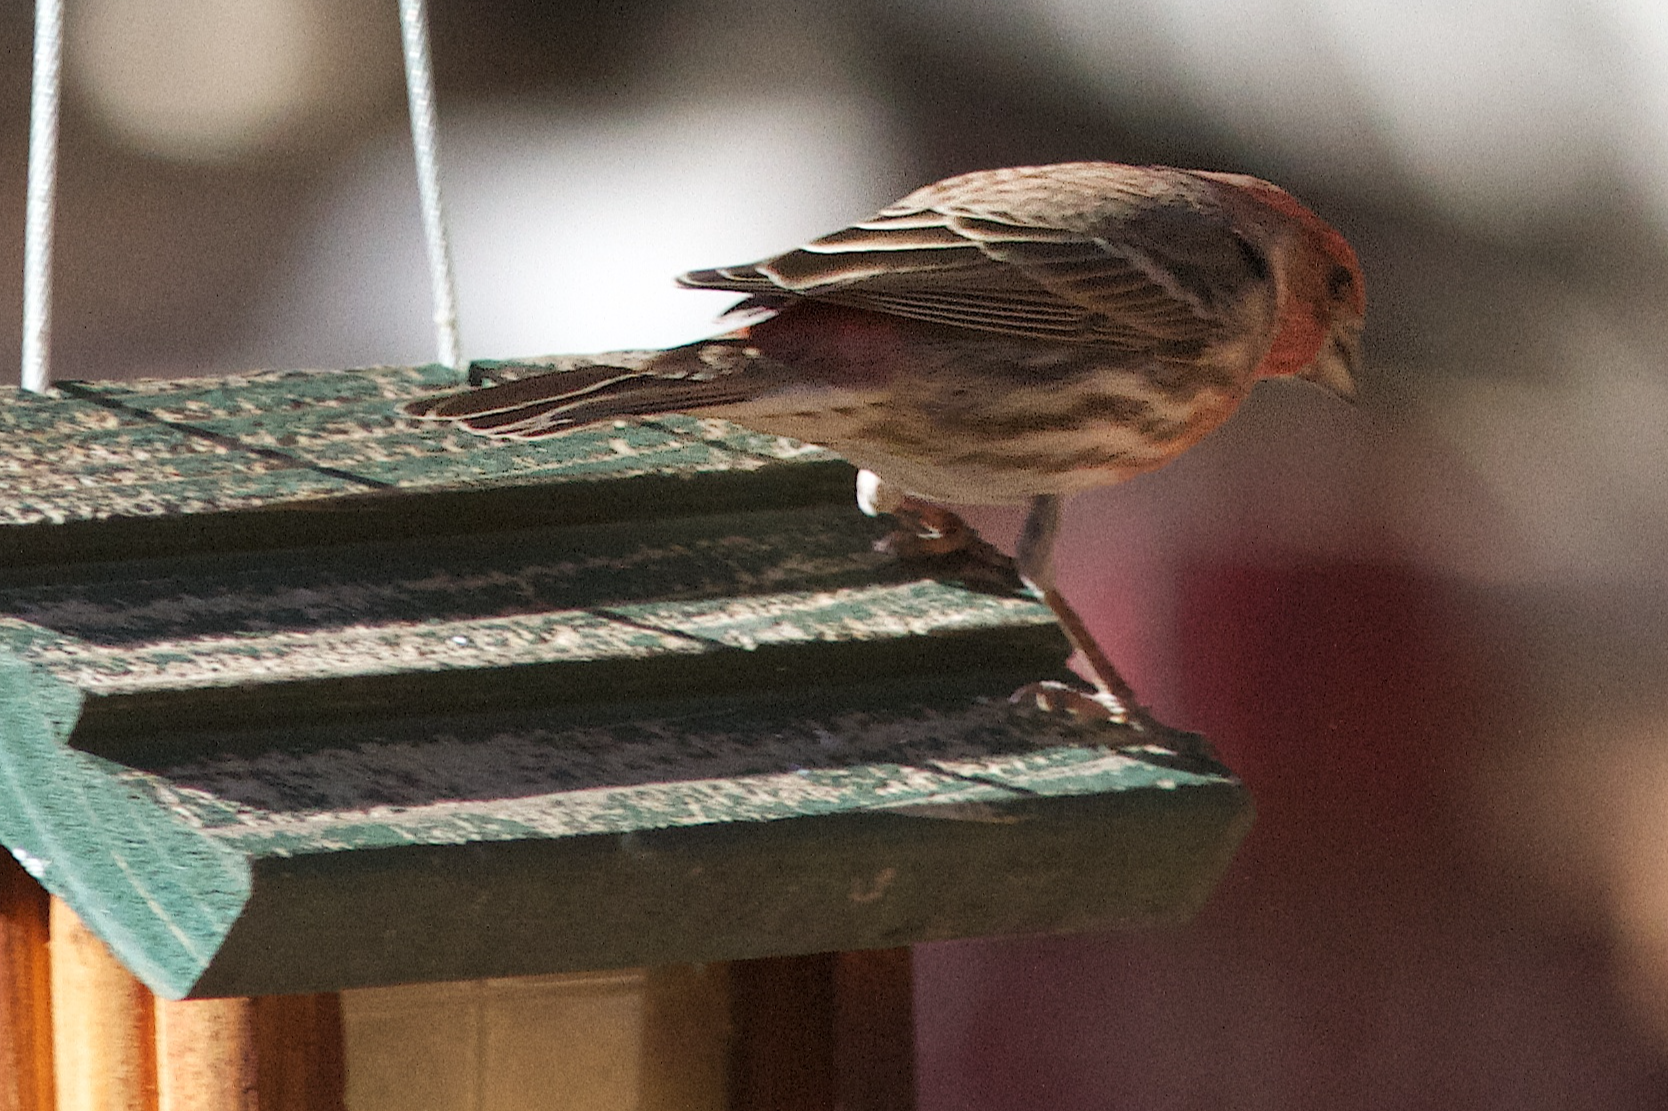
x=933 y=535
x=1060 y=698
x=925 y=531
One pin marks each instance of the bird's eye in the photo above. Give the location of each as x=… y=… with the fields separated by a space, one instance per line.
x=1254 y=258
x=1339 y=282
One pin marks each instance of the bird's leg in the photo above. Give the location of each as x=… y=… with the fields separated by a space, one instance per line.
x=927 y=531
x=924 y=530
x=1034 y=550
x=1113 y=699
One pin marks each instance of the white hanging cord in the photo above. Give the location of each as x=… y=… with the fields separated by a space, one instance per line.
x=42 y=193
x=419 y=87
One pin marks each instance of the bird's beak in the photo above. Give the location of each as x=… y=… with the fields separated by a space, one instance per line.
x=1335 y=367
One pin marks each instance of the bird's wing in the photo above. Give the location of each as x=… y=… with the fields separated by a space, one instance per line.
x=1131 y=275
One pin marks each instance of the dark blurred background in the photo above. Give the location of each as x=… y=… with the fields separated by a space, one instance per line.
x=1431 y=632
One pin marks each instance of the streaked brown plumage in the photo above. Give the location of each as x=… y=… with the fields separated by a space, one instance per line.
x=1000 y=336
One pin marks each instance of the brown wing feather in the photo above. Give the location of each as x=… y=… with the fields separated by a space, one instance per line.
x=1084 y=252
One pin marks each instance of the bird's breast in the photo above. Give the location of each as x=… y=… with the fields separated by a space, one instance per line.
x=969 y=427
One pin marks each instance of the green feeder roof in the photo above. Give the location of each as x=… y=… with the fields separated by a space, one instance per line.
x=297 y=694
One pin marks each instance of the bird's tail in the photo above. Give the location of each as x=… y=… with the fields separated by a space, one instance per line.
x=696 y=376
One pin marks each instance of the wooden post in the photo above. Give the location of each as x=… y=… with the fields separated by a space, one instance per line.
x=25 y=992
x=274 y=1053
x=300 y=1060
x=103 y=1026
x=874 y=997
x=825 y=1031
x=119 y=1049
x=205 y=1055
x=782 y=1013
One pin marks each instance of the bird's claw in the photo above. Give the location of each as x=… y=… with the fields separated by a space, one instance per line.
x=912 y=545
x=925 y=531
x=1059 y=698
x=931 y=534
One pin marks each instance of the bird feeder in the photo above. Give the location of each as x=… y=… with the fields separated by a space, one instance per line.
x=300 y=701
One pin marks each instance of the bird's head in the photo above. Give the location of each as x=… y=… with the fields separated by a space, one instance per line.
x=1321 y=296
x=1339 y=305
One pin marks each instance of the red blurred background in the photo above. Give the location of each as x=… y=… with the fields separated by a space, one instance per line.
x=1427 y=631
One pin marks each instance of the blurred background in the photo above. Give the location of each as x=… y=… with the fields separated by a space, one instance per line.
x=1431 y=631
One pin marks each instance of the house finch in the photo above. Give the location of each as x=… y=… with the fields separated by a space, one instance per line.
x=1000 y=336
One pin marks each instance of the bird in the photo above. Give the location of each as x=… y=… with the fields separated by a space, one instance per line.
x=1005 y=336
